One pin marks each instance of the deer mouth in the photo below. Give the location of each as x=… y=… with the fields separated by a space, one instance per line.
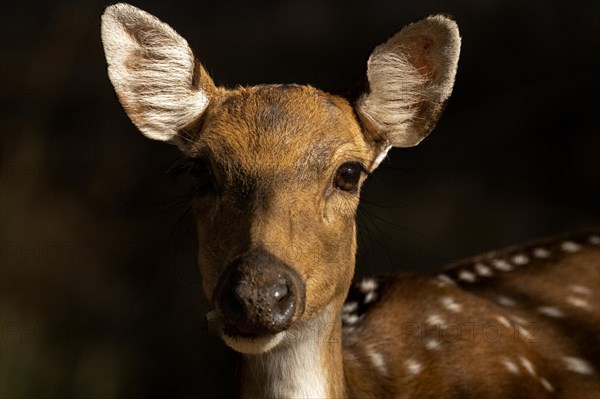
x=241 y=341
x=253 y=344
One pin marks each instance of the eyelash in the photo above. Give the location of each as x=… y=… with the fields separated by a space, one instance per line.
x=347 y=176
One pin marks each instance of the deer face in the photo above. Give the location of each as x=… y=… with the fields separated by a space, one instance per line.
x=285 y=165
x=275 y=218
x=278 y=167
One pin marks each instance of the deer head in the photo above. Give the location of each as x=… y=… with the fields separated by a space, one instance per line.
x=279 y=167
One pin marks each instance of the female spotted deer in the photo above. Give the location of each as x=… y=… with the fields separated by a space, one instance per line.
x=278 y=170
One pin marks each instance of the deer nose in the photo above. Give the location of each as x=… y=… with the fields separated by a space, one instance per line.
x=259 y=295
x=267 y=308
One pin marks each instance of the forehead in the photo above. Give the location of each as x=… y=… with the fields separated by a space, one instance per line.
x=264 y=129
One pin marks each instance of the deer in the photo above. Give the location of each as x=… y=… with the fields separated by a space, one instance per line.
x=278 y=171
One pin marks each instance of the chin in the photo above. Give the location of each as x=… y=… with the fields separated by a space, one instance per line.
x=253 y=345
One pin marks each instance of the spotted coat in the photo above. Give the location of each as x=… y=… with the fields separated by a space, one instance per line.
x=523 y=322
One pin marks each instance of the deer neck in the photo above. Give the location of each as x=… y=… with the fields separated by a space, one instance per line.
x=307 y=364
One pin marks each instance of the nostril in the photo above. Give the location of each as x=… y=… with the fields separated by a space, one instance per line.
x=278 y=291
x=283 y=303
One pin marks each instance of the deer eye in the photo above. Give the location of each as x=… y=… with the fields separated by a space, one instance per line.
x=200 y=171
x=347 y=176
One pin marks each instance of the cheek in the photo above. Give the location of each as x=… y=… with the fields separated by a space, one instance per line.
x=339 y=223
x=339 y=209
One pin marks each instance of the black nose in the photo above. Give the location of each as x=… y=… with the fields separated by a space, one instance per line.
x=258 y=295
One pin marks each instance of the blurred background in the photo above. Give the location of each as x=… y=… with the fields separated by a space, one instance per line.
x=100 y=294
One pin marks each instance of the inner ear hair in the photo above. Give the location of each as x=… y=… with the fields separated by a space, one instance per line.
x=159 y=82
x=409 y=79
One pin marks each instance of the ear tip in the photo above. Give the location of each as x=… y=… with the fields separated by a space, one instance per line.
x=112 y=14
x=113 y=10
x=111 y=19
x=123 y=12
x=449 y=18
x=446 y=22
x=117 y=8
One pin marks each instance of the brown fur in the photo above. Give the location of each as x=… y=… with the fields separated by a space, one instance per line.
x=473 y=343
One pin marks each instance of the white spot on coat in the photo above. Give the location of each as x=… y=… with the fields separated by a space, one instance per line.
x=483 y=270
x=371 y=296
x=413 y=366
x=502 y=265
x=367 y=285
x=520 y=259
x=350 y=307
x=511 y=366
x=505 y=301
x=551 y=311
x=434 y=320
x=570 y=246
x=581 y=289
x=546 y=384
x=467 y=276
x=594 y=239
x=432 y=344
x=519 y=320
x=578 y=365
x=580 y=303
x=504 y=321
x=350 y=318
x=449 y=303
x=541 y=253
x=527 y=365
x=377 y=360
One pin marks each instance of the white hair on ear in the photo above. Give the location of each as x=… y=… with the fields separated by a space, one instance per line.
x=410 y=78
x=381 y=156
x=152 y=69
x=398 y=89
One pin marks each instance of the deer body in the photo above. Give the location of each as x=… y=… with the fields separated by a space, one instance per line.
x=518 y=323
x=279 y=170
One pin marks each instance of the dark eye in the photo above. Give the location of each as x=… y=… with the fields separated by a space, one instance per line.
x=200 y=171
x=347 y=176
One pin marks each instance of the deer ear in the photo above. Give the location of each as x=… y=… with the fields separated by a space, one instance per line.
x=159 y=82
x=410 y=78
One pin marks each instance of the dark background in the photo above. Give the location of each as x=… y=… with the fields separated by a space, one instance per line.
x=100 y=293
